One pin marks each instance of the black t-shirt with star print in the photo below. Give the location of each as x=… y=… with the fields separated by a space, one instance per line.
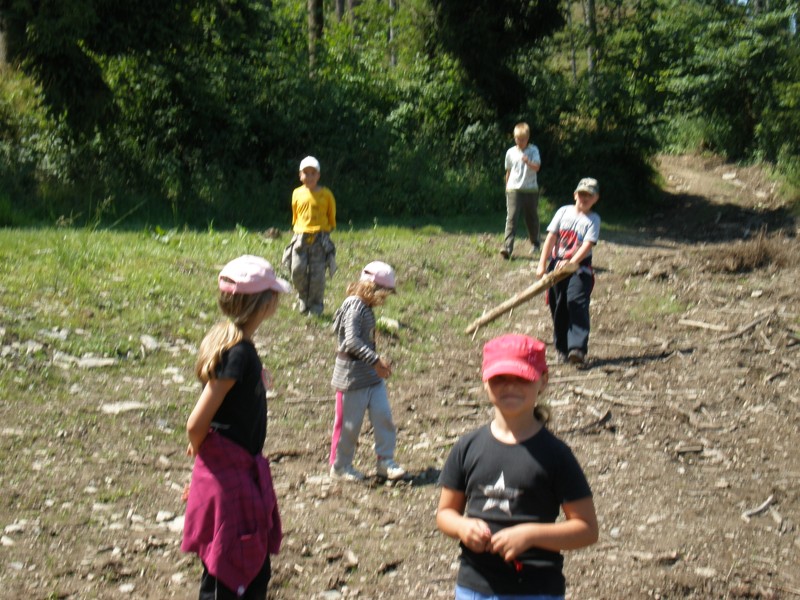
x=508 y=484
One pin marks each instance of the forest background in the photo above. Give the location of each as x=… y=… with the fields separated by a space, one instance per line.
x=197 y=112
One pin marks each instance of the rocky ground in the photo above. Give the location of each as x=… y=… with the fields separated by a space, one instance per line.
x=685 y=420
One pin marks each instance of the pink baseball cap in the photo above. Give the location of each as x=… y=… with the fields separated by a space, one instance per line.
x=250 y=274
x=379 y=272
x=514 y=354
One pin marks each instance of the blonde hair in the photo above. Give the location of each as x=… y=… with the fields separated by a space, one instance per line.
x=240 y=309
x=522 y=129
x=370 y=292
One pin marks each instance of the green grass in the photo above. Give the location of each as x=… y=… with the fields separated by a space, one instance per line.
x=79 y=292
x=651 y=306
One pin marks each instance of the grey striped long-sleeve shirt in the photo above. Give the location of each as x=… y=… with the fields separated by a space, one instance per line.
x=354 y=326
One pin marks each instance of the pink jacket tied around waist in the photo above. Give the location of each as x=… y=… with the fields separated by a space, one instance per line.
x=232 y=518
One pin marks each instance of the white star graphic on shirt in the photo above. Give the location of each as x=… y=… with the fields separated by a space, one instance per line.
x=498 y=495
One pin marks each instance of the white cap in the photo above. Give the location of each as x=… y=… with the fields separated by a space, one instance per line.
x=309 y=161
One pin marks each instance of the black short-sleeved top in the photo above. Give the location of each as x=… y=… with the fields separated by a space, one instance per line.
x=508 y=484
x=242 y=416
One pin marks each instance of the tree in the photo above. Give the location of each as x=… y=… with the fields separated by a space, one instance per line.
x=57 y=42
x=316 y=24
x=489 y=36
x=590 y=16
x=3 y=47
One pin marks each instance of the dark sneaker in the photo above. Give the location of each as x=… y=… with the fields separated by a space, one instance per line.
x=505 y=253
x=576 y=357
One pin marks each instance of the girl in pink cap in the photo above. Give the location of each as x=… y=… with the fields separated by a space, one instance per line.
x=232 y=519
x=504 y=485
x=358 y=378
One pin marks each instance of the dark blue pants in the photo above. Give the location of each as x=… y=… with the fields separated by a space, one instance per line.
x=569 y=306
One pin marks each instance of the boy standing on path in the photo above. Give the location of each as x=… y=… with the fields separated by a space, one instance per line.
x=522 y=190
x=311 y=250
x=571 y=235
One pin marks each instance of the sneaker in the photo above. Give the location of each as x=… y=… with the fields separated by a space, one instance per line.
x=562 y=358
x=390 y=470
x=347 y=474
x=505 y=253
x=576 y=357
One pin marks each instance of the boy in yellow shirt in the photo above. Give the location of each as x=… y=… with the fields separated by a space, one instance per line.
x=311 y=250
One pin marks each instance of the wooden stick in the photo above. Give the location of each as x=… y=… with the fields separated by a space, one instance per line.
x=596 y=424
x=744 y=328
x=581 y=391
x=701 y=325
x=537 y=288
x=758 y=509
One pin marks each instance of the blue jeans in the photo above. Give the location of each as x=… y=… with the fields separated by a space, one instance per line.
x=463 y=593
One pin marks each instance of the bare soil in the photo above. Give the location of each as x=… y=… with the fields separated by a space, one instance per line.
x=685 y=419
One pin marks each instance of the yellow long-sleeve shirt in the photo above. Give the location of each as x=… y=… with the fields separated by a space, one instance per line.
x=313 y=212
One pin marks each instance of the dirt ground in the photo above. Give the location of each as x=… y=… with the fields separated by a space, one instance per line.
x=685 y=420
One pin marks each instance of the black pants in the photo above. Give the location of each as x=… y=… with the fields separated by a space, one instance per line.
x=213 y=589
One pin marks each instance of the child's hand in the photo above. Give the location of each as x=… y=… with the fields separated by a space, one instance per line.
x=190 y=450
x=540 y=270
x=185 y=493
x=383 y=367
x=510 y=542
x=475 y=535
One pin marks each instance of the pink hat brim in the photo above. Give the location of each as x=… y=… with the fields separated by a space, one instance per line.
x=517 y=368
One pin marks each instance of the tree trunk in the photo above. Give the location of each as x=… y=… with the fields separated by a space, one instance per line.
x=392 y=51
x=572 y=57
x=591 y=28
x=315 y=27
x=339 y=10
x=3 y=48
x=590 y=15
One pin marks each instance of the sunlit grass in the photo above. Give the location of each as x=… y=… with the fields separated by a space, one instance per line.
x=650 y=307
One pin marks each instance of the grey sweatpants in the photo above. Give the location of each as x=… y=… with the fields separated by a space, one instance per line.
x=527 y=203
x=351 y=406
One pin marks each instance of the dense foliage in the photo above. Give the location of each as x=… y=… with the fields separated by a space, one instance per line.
x=198 y=111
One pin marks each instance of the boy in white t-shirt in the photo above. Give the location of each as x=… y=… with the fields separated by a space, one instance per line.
x=522 y=163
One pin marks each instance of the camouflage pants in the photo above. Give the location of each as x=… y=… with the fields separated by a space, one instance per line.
x=309 y=262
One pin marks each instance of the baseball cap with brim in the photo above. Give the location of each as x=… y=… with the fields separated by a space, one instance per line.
x=309 y=161
x=514 y=354
x=380 y=273
x=250 y=275
x=588 y=184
